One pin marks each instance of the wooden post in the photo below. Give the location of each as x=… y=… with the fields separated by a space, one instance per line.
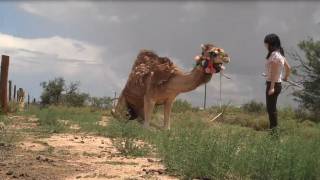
x=28 y=100
x=14 y=93
x=10 y=90
x=205 y=96
x=114 y=101
x=4 y=83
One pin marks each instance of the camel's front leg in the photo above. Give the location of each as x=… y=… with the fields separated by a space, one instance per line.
x=167 y=112
x=148 y=109
x=120 y=109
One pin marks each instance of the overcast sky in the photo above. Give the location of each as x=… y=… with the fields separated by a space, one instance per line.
x=96 y=42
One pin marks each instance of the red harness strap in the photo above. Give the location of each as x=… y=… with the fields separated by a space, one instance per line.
x=210 y=68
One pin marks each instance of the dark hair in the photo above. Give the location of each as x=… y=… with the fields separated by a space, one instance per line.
x=274 y=44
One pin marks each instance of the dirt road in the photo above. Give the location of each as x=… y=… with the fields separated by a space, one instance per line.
x=70 y=156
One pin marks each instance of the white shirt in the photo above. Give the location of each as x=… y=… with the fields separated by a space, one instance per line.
x=277 y=58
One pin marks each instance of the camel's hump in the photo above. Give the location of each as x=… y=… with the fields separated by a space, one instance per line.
x=147 y=63
x=149 y=57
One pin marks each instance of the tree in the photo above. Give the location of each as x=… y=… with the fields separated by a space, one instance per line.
x=52 y=91
x=73 y=97
x=308 y=73
x=57 y=92
x=101 y=102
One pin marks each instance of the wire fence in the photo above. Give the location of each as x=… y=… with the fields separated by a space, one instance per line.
x=9 y=93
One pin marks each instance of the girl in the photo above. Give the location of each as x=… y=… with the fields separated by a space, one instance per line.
x=276 y=61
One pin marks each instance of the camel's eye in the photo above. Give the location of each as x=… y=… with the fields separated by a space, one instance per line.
x=212 y=54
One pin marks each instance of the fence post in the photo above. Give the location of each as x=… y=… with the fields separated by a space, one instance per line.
x=28 y=100
x=10 y=90
x=4 y=82
x=114 y=101
x=14 y=92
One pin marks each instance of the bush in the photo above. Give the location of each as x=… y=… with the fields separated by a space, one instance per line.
x=307 y=70
x=181 y=106
x=254 y=107
x=48 y=120
x=193 y=148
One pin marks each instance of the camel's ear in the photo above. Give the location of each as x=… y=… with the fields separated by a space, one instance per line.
x=202 y=47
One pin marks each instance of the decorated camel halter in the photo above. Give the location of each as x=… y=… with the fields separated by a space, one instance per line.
x=207 y=62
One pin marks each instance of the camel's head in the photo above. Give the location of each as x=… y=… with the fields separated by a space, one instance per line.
x=212 y=59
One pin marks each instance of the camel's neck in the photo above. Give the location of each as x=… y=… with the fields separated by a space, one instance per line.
x=188 y=81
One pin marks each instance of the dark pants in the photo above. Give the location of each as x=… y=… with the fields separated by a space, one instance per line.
x=271 y=102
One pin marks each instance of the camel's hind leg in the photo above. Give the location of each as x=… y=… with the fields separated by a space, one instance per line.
x=148 y=109
x=167 y=112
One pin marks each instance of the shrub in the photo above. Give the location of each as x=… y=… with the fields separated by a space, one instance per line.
x=181 y=106
x=254 y=107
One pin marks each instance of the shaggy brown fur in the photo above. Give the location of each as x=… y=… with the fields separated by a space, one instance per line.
x=146 y=63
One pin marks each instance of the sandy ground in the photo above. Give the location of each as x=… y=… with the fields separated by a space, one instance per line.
x=73 y=156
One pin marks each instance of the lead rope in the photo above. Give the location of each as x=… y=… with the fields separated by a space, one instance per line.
x=220 y=103
x=220 y=97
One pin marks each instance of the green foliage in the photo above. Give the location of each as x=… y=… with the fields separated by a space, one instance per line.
x=101 y=102
x=52 y=91
x=60 y=118
x=48 y=120
x=8 y=137
x=181 y=106
x=194 y=148
x=254 y=107
x=57 y=92
x=73 y=97
x=308 y=71
x=129 y=147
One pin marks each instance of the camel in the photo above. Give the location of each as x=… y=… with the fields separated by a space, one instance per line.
x=156 y=80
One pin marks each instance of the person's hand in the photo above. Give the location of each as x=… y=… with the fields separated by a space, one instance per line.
x=271 y=91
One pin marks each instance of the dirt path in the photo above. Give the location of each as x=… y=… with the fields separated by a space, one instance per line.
x=73 y=156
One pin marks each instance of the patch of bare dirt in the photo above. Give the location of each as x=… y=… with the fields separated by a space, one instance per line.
x=28 y=165
x=74 y=156
x=103 y=159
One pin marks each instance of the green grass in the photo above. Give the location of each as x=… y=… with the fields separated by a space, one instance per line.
x=57 y=119
x=7 y=137
x=228 y=148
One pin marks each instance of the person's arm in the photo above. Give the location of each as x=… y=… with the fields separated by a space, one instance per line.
x=287 y=68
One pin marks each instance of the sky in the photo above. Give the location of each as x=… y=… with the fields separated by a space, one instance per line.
x=96 y=42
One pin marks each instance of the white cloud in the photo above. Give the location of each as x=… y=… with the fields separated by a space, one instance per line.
x=57 y=11
x=71 y=11
x=58 y=47
x=58 y=56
